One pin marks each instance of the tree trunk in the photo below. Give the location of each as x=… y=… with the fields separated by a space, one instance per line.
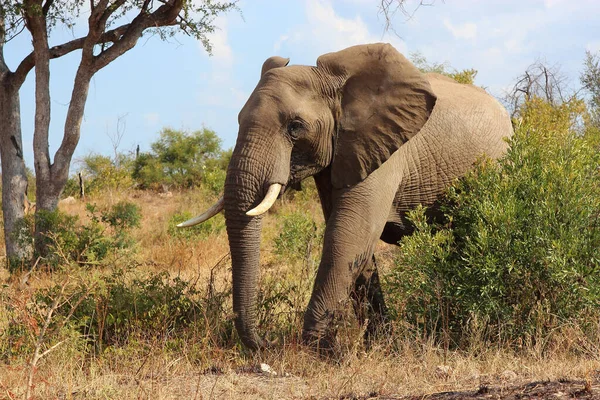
x=47 y=194
x=14 y=178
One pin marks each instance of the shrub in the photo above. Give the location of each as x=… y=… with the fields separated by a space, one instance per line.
x=297 y=236
x=70 y=241
x=519 y=252
x=152 y=304
x=466 y=76
x=214 y=181
x=118 y=308
x=105 y=173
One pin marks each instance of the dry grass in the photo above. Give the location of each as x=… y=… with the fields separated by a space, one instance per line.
x=150 y=368
x=299 y=375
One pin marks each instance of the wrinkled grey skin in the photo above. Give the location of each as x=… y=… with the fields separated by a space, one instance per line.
x=379 y=138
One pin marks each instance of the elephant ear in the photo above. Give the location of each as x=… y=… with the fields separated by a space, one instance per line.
x=384 y=101
x=274 y=62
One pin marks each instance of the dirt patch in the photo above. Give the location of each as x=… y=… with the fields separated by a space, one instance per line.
x=562 y=389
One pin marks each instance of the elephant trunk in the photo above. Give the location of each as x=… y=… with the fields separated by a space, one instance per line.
x=252 y=169
x=244 y=242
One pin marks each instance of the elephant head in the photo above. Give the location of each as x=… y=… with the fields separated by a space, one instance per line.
x=344 y=117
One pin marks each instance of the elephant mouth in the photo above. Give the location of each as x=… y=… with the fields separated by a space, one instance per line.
x=300 y=172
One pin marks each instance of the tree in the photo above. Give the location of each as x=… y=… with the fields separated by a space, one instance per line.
x=590 y=79
x=114 y=27
x=389 y=8
x=539 y=80
x=180 y=159
x=466 y=76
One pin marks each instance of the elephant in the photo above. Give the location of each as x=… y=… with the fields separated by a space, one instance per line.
x=379 y=138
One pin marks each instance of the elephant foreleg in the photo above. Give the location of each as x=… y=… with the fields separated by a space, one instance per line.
x=368 y=302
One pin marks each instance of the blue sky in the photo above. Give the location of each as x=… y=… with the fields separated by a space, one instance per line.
x=176 y=84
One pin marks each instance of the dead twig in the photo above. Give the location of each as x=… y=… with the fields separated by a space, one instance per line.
x=38 y=354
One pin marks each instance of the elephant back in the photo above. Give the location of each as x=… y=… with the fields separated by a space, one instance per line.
x=466 y=124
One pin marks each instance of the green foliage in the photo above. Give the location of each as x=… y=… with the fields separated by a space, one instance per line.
x=104 y=173
x=122 y=216
x=214 y=181
x=71 y=187
x=15 y=337
x=297 y=236
x=182 y=160
x=118 y=308
x=466 y=76
x=69 y=241
x=147 y=172
x=198 y=16
x=154 y=303
x=30 y=184
x=198 y=232
x=519 y=251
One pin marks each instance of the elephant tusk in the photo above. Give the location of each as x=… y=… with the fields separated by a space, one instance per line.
x=267 y=202
x=211 y=212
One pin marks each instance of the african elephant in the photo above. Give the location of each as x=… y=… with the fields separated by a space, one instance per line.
x=378 y=136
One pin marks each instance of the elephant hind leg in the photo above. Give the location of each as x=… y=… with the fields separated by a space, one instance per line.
x=369 y=303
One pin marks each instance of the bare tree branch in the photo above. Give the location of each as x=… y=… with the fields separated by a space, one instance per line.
x=37 y=354
x=389 y=8
x=58 y=51
x=538 y=80
x=117 y=136
x=46 y=7
x=164 y=15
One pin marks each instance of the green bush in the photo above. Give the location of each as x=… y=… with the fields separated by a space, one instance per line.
x=102 y=173
x=298 y=234
x=214 y=181
x=118 y=308
x=152 y=304
x=520 y=249
x=466 y=76
x=70 y=241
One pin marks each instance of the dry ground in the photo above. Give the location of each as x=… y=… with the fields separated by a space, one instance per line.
x=403 y=371
x=358 y=377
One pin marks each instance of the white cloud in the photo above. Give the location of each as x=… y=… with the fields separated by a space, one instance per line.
x=467 y=30
x=326 y=31
x=221 y=50
x=278 y=43
x=219 y=87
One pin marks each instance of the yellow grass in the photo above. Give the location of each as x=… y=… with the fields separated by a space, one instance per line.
x=148 y=368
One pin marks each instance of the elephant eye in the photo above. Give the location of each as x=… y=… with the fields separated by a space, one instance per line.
x=295 y=128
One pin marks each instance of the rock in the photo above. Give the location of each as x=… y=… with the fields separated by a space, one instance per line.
x=265 y=369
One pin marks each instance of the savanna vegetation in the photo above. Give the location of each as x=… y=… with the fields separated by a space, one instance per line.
x=123 y=304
